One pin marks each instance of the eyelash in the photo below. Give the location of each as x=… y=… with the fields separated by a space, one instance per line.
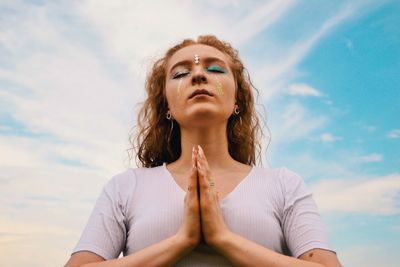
x=212 y=68
x=215 y=68
x=180 y=74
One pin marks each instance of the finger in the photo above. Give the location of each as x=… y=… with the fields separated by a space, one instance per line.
x=217 y=197
x=204 y=168
x=192 y=187
x=203 y=184
x=204 y=174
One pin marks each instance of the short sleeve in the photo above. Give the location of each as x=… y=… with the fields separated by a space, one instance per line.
x=302 y=225
x=105 y=232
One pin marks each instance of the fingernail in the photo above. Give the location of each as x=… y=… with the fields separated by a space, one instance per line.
x=200 y=151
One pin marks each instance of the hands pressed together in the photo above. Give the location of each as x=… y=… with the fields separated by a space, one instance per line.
x=203 y=217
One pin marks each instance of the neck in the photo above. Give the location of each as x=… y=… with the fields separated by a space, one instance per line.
x=214 y=143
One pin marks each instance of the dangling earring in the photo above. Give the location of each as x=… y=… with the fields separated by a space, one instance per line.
x=236 y=112
x=169 y=117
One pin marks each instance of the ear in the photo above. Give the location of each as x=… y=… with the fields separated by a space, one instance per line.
x=235 y=107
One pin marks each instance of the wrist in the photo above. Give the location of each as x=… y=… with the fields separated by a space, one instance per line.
x=187 y=243
x=221 y=240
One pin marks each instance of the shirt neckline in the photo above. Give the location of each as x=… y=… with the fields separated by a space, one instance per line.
x=229 y=195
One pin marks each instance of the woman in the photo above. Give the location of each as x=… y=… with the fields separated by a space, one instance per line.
x=198 y=200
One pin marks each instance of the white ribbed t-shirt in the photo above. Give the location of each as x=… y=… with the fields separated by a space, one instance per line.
x=143 y=206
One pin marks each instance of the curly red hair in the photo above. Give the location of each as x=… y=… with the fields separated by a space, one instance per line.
x=155 y=142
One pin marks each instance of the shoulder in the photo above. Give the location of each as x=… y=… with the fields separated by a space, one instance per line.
x=282 y=179
x=124 y=181
x=122 y=185
x=281 y=175
x=131 y=174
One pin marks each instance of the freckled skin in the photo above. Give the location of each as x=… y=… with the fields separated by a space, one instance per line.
x=203 y=111
x=178 y=89
x=220 y=89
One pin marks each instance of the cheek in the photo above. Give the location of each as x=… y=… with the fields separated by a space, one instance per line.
x=175 y=87
x=173 y=94
x=228 y=88
x=170 y=92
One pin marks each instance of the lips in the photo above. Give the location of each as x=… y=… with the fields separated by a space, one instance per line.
x=200 y=92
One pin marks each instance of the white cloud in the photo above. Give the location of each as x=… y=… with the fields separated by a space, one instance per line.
x=5 y=128
x=36 y=207
x=72 y=100
x=349 y=44
x=375 y=157
x=275 y=75
x=292 y=122
x=370 y=128
x=379 y=254
x=328 y=137
x=376 y=195
x=303 y=90
x=75 y=100
x=394 y=134
x=76 y=95
x=259 y=19
x=128 y=31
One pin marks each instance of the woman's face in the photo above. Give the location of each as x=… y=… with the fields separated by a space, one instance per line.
x=200 y=87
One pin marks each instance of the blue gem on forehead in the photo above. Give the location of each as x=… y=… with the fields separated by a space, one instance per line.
x=196 y=59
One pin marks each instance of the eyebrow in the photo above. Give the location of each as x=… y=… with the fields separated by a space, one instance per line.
x=190 y=62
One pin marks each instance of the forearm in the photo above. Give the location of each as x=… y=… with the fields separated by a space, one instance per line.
x=243 y=252
x=164 y=253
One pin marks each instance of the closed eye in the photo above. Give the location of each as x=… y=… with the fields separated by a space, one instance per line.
x=180 y=74
x=215 y=68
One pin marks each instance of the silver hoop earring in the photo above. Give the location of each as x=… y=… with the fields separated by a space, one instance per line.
x=236 y=112
x=168 y=116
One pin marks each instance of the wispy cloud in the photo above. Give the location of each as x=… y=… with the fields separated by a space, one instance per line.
x=36 y=207
x=67 y=94
x=375 y=157
x=278 y=71
x=294 y=122
x=78 y=81
x=349 y=44
x=328 y=137
x=393 y=134
x=379 y=254
x=259 y=19
x=71 y=74
x=377 y=195
x=303 y=90
x=370 y=128
x=136 y=46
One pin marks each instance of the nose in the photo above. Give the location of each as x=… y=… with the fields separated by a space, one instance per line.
x=198 y=76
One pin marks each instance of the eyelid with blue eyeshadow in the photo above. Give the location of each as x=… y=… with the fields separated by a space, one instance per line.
x=216 y=68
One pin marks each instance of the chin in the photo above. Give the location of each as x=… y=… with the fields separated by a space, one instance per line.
x=204 y=119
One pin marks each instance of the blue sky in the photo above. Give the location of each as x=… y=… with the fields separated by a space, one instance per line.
x=72 y=74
